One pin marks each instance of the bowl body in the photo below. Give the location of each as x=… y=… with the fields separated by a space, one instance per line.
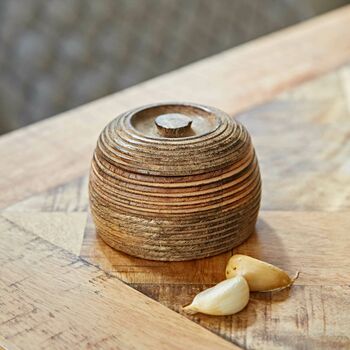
x=174 y=181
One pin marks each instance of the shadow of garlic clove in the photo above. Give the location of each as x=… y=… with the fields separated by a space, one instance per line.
x=261 y=276
x=226 y=298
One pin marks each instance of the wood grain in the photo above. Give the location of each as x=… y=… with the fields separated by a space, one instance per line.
x=312 y=177
x=302 y=143
x=306 y=314
x=73 y=304
x=65 y=230
x=304 y=317
x=278 y=239
x=294 y=241
x=232 y=81
x=174 y=198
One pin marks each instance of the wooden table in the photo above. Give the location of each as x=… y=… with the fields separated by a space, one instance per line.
x=60 y=284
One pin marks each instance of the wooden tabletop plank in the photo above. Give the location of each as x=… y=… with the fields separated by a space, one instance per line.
x=51 y=299
x=313 y=314
x=58 y=150
x=314 y=243
x=301 y=140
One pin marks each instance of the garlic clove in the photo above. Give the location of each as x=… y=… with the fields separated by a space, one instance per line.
x=261 y=276
x=226 y=298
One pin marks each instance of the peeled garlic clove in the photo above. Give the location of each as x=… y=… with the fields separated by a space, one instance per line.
x=261 y=276
x=226 y=298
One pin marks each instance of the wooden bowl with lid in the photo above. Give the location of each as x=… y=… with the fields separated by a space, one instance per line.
x=174 y=181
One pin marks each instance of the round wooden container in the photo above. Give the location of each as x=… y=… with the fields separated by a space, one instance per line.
x=174 y=181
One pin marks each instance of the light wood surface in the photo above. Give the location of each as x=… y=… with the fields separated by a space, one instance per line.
x=73 y=304
x=301 y=139
x=232 y=81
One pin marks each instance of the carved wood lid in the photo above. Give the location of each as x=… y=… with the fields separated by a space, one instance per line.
x=173 y=139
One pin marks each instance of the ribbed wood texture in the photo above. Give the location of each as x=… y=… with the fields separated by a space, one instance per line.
x=179 y=198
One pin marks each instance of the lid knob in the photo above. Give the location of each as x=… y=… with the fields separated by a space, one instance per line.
x=173 y=124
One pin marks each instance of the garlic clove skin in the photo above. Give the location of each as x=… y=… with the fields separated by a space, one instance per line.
x=226 y=298
x=261 y=276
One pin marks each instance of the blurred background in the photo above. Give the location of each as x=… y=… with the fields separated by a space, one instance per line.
x=58 y=54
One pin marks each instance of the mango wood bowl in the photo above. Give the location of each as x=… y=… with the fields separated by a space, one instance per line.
x=175 y=181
